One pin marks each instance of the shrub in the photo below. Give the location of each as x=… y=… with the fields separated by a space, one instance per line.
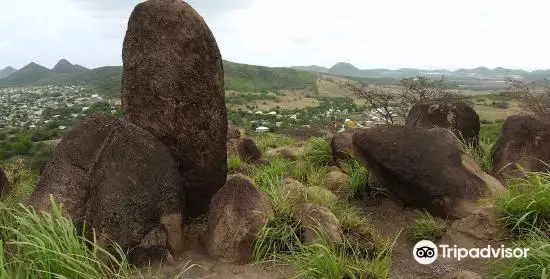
x=426 y=227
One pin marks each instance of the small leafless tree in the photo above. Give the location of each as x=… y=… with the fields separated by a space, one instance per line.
x=392 y=103
x=381 y=99
x=537 y=103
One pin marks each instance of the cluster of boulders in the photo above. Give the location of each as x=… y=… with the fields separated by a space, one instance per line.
x=134 y=180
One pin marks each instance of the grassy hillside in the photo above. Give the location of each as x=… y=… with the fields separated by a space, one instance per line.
x=238 y=77
x=243 y=77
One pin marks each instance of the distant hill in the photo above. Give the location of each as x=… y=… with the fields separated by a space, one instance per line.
x=347 y=69
x=6 y=72
x=312 y=68
x=65 y=67
x=28 y=75
x=238 y=77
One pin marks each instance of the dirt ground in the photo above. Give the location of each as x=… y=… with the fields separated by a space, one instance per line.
x=389 y=217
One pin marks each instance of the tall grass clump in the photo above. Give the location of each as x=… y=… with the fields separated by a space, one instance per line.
x=45 y=245
x=21 y=179
x=535 y=266
x=268 y=140
x=482 y=154
x=233 y=163
x=320 y=261
x=281 y=235
x=427 y=227
x=526 y=205
x=318 y=152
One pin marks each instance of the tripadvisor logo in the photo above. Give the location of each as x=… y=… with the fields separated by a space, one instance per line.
x=426 y=252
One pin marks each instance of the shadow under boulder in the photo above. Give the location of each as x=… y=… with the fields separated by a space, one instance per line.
x=120 y=181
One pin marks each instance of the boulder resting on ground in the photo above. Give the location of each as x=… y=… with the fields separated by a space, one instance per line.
x=524 y=141
x=423 y=171
x=237 y=214
x=120 y=180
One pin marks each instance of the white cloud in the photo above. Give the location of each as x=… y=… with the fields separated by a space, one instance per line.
x=367 y=33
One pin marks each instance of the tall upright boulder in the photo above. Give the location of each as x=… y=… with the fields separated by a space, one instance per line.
x=424 y=171
x=460 y=118
x=524 y=141
x=118 y=179
x=173 y=87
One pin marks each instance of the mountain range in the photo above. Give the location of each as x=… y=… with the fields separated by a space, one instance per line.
x=107 y=80
x=252 y=78
x=347 y=69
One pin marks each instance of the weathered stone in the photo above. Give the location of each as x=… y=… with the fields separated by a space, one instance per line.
x=173 y=87
x=117 y=178
x=460 y=118
x=341 y=146
x=463 y=274
x=524 y=141
x=287 y=153
x=318 y=223
x=237 y=213
x=423 y=171
x=248 y=151
x=337 y=182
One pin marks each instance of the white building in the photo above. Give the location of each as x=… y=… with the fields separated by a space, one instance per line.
x=262 y=129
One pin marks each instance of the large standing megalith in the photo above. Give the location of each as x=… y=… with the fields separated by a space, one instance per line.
x=173 y=87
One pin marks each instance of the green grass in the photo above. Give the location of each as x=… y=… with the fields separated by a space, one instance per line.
x=318 y=152
x=44 y=245
x=427 y=227
x=490 y=131
x=320 y=261
x=535 y=266
x=526 y=206
x=22 y=180
x=481 y=155
x=233 y=163
x=265 y=140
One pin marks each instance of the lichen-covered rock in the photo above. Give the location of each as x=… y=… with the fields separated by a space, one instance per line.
x=237 y=213
x=337 y=182
x=460 y=118
x=119 y=179
x=524 y=141
x=173 y=87
x=248 y=151
x=318 y=224
x=424 y=171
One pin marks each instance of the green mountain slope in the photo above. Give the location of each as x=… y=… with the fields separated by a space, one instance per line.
x=6 y=72
x=28 y=75
x=107 y=80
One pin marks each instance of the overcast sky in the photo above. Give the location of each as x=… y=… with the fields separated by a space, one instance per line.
x=367 y=33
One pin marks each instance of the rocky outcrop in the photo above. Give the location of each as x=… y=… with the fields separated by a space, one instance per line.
x=460 y=118
x=237 y=213
x=173 y=87
x=341 y=147
x=524 y=142
x=285 y=152
x=120 y=180
x=337 y=182
x=318 y=224
x=423 y=171
x=248 y=151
